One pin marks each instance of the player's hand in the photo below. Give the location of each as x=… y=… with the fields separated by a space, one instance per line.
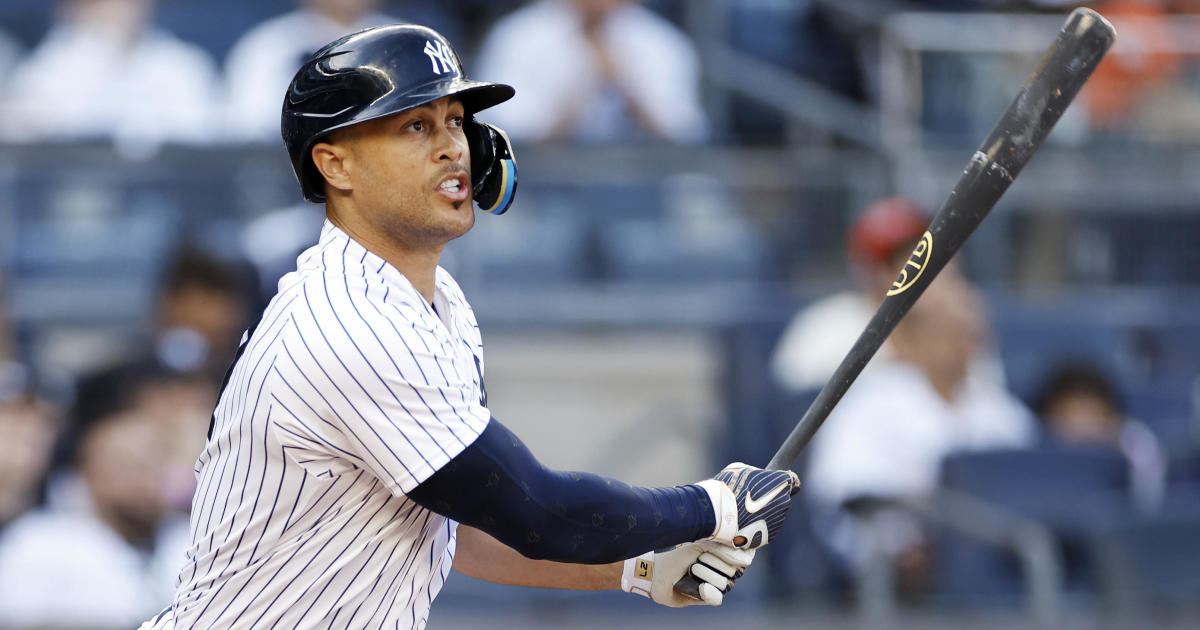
x=714 y=565
x=751 y=503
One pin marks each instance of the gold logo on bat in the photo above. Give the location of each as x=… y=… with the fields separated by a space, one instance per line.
x=914 y=266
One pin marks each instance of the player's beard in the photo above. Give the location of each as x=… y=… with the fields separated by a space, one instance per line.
x=422 y=221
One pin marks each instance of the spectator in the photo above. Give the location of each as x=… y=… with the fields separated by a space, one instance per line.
x=198 y=322
x=28 y=425
x=182 y=405
x=1079 y=404
x=104 y=556
x=594 y=71
x=879 y=241
x=104 y=72
x=180 y=402
x=201 y=314
x=262 y=62
x=883 y=445
x=1130 y=77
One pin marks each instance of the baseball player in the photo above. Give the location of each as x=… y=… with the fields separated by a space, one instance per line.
x=352 y=459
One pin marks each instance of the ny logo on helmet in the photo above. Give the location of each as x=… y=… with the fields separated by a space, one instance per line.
x=440 y=53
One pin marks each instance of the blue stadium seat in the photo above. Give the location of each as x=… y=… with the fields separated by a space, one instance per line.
x=1068 y=488
x=1071 y=490
x=655 y=251
x=1030 y=343
x=1148 y=565
x=522 y=250
x=1153 y=363
x=27 y=20
x=215 y=25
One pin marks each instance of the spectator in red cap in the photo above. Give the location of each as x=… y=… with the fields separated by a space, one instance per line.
x=879 y=241
x=882 y=447
x=933 y=389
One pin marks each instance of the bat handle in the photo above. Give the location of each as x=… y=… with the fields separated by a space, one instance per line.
x=689 y=586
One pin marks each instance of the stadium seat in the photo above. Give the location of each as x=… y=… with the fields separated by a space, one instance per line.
x=690 y=229
x=523 y=250
x=1149 y=564
x=1071 y=491
x=1065 y=487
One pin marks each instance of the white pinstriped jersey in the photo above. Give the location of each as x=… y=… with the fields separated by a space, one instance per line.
x=349 y=392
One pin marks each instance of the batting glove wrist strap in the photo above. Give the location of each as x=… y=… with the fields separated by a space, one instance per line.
x=724 y=506
x=637 y=575
x=750 y=503
x=712 y=565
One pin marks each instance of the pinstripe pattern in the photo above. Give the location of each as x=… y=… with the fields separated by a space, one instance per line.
x=350 y=391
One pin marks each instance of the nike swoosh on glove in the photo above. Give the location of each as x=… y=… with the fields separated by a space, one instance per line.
x=751 y=504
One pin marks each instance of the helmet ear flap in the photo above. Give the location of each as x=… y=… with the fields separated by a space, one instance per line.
x=493 y=168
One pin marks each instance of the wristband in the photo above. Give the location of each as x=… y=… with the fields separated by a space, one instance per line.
x=724 y=509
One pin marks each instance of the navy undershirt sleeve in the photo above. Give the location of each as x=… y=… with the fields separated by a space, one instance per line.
x=497 y=485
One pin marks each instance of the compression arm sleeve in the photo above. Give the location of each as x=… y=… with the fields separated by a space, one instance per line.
x=496 y=485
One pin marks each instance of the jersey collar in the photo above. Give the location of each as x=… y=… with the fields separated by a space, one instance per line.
x=358 y=259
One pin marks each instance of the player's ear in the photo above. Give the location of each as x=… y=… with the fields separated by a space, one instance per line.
x=334 y=162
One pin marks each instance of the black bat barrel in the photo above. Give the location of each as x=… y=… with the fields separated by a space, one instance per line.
x=1060 y=74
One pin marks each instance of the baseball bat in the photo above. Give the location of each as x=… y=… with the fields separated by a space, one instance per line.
x=1060 y=74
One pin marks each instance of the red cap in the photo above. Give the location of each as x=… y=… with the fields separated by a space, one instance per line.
x=884 y=226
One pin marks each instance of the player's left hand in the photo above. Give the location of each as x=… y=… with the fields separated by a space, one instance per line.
x=713 y=564
x=750 y=503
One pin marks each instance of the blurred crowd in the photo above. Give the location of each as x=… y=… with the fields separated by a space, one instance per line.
x=933 y=398
x=592 y=70
x=98 y=475
x=96 y=468
x=589 y=71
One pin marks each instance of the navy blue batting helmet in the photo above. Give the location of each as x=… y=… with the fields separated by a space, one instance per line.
x=382 y=71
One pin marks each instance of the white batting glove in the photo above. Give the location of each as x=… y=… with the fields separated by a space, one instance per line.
x=714 y=565
x=750 y=503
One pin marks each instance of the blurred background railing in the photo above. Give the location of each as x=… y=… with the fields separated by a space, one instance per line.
x=634 y=297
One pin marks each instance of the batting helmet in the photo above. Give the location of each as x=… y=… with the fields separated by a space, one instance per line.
x=382 y=71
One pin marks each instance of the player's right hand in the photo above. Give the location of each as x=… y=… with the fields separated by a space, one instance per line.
x=750 y=503
x=711 y=567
